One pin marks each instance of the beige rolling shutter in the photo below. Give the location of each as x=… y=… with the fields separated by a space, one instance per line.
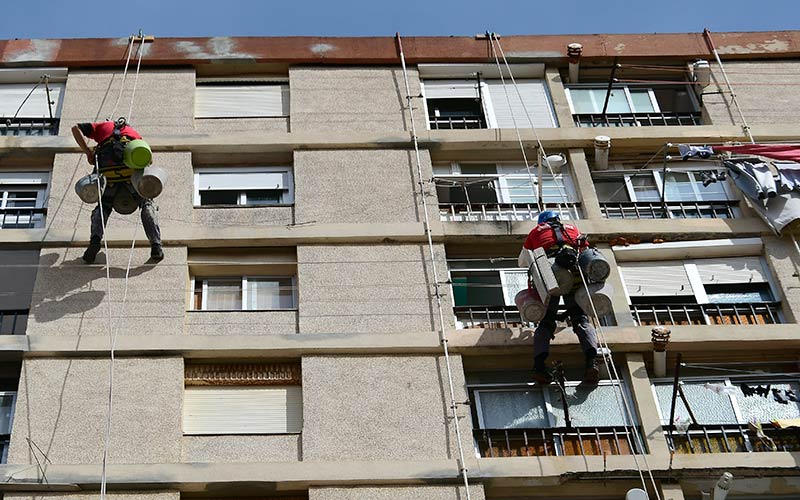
x=663 y=278
x=449 y=89
x=242 y=410
x=535 y=97
x=731 y=270
x=12 y=96
x=241 y=101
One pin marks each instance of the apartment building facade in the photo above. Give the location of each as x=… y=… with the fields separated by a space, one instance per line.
x=290 y=343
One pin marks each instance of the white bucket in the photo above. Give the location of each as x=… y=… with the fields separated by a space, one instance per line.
x=530 y=306
x=601 y=298
x=149 y=183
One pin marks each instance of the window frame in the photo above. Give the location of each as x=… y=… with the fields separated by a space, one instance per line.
x=288 y=178
x=24 y=180
x=500 y=271
x=628 y=98
x=244 y=297
x=657 y=176
x=13 y=394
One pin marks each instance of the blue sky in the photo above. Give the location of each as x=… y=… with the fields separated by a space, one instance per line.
x=93 y=19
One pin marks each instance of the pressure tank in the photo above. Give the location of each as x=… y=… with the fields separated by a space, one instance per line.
x=87 y=190
x=594 y=265
x=531 y=307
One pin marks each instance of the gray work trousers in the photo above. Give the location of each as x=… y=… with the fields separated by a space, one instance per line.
x=587 y=336
x=146 y=207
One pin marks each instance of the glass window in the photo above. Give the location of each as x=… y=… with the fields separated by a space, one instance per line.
x=269 y=293
x=223 y=294
x=611 y=190
x=591 y=101
x=250 y=294
x=596 y=406
x=477 y=288
x=708 y=407
x=679 y=186
x=243 y=186
x=513 y=409
x=219 y=198
x=645 y=188
x=6 y=412
x=641 y=101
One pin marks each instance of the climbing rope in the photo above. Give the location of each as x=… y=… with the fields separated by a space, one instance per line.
x=622 y=402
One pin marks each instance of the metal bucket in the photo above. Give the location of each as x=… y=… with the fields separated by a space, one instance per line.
x=601 y=298
x=564 y=278
x=594 y=265
x=86 y=188
x=530 y=306
x=149 y=183
x=123 y=202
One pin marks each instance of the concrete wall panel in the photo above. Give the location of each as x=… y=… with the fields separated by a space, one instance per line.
x=163 y=103
x=90 y=495
x=241 y=449
x=241 y=323
x=381 y=408
x=396 y=493
x=62 y=405
x=368 y=288
x=227 y=125
x=363 y=98
x=71 y=297
x=783 y=262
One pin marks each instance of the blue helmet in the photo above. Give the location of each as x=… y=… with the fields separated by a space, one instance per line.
x=546 y=216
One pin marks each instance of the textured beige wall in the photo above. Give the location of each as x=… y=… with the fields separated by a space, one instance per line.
x=62 y=403
x=355 y=98
x=90 y=495
x=784 y=263
x=396 y=493
x=359 y=186
x=241 y=449
x=70 y=297
x=227 y=125
x=369 y=288
x=392 y=407
x=766 y=91
x=163 y=104
x=241 y=322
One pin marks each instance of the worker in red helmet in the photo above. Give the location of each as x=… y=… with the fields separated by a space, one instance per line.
x=564 y=242
x=111 y=138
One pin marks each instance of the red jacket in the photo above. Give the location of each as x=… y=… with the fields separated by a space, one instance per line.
x=544 y=236
x=101 y=131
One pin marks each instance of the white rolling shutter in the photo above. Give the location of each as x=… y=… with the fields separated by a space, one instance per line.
x=215 y=181
x=241 y=101
x=449 y=89
x=513 y=282
x=731 y=270
x=13 y=94
x=662 y=278
x=242 y=410
x=535 y=97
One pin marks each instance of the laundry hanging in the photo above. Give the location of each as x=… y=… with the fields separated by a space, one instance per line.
x=687 y=151
x=758 y=185
x=788 y=176
x=786 y=152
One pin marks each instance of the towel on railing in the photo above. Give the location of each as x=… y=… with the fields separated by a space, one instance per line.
x=786 y=423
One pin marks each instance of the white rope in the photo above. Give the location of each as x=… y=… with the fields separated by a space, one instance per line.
x=136 y=78
x=442 y=334
x=745 y=126
x=124 y=75
x=626 y=413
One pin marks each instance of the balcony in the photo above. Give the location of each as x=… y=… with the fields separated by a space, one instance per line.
x=488 y=317
x=675 y=210
x=457 y=212
x=555 y=442
x=754 y=313
x=13 y=322
x=732 y=438
x=28 y=126
x=22 y=218
x=657 y=119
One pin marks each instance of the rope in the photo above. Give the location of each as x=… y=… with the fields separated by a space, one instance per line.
x=124 y=75
x=626 y=412
x=442 y=335
x=41 y=79
x=136 y=78
x=745 y=126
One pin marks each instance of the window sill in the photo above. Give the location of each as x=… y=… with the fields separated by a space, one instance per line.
x=237 y=117
x=246 y=434
x=294 y=309
x=214 y=207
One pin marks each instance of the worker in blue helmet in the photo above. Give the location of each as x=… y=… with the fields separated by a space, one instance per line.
x=563 y=242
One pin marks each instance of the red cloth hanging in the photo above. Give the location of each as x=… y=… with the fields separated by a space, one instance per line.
x=786 y=152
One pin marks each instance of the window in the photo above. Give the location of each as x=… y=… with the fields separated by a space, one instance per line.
x=525 y=420
x=492 y=191
x=729 y=290
x=249 y=293
x=483 y=292
x=34 y=114
x=638 y=195
x=241 y=100
x=23 y=198
x=7 y=403
x=664 y=105
x=723 y=407
x=252 y=398
x=243 y=186
x=472 y=103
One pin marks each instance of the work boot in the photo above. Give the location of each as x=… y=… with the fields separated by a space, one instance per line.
x=91 y=251
x=592 y=373
x=156 y=252
x=540 y=373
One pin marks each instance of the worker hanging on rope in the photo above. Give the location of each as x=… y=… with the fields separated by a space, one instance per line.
x=120 y=180
x=552 y=252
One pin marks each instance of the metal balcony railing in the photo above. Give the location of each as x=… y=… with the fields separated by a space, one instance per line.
x=503 y=211
x=22 y=218
x=731 y=438
x=637 y=119
x=28 y=126
x=675 y=209
x=457 y=122
x=500 y=317
x=753 y=313
x=555 y=442
x=13 y=322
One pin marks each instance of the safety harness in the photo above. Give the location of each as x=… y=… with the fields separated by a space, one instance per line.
x=110 y=154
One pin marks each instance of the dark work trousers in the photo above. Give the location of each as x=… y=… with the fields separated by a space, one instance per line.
x=581 y=325
x=146 y=206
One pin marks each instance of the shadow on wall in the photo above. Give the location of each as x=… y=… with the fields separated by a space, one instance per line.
x=68 y=288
